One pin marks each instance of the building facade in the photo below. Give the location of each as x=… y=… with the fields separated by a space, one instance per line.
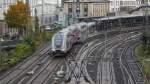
x=123 y=5
x=86 y=8
x=45 y=10
x=47 y=13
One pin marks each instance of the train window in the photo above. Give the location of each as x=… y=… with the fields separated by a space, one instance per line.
x=58 y=39
x=83 y=26
x=68 y=36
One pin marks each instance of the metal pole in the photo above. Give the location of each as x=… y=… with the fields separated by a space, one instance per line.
x=146 y=16
x=74 y=12
x=120 y=24
x=78 y=8
x=105 y=42
x=106 y=36
x=42 y=19
x=145 y=13
x=0 y=55
x=28 y=11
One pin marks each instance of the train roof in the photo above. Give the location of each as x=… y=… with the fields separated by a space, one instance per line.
x=91 y=24
x=82 y=23
x=65 y=31
x=72 y=27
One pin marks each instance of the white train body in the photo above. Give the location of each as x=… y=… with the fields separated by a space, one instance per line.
x=83 y=31
x=91 y=27
x=63 y=40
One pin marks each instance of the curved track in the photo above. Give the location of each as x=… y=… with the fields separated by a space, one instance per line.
x=98 y=67
x=107 y=65
x=133 y=75
x=91 y=59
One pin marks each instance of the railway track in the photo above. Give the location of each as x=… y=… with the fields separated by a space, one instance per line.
x=105 y=71
x=40 y=67
x=40 y=71
x=23 y=67
x=34 y=57
x=33 y=70
x=85 y=52
x=46 y=72
x=88 y=47
x=131 y=67
x=102 y=70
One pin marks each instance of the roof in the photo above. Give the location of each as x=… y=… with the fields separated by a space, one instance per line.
x=121 y=16
x=87 y=1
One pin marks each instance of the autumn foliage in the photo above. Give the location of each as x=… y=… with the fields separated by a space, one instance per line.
x=17 y=15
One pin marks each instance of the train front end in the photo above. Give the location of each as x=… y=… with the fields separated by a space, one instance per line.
x=58 y=44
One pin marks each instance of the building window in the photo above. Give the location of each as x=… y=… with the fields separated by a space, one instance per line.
x=121 y=2
x=85 y=9
x=113 y=9
x=70 y=8
x=117 y=2
x=78 y=10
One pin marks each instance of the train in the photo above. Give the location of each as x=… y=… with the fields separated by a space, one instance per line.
x=64 y=39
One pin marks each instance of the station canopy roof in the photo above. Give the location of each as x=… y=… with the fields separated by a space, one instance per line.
x=120 y=16
x=88 y=1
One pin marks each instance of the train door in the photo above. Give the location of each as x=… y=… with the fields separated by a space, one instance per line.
x=68 y=43
x=84 y=32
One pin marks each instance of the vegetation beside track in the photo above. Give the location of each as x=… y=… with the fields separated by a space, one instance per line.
x=34 y=36
x=30 y=44
x=142 y=53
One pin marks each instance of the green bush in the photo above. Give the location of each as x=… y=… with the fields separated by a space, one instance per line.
x=29 y=40
x=142 y=52
x=146 y=68
x=20 y=52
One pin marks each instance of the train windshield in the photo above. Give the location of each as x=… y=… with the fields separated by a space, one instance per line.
x=58 y=40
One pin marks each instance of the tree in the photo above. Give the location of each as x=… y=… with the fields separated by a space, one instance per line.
x=17 y=16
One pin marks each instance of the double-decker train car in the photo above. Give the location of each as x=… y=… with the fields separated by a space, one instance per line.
x=63 y=40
